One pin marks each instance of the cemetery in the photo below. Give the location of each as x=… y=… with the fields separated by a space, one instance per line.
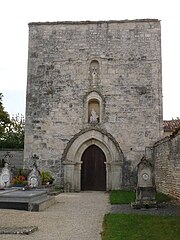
x=106 y=139
x=23 y=194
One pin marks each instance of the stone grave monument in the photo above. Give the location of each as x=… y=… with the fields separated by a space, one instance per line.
x=5 y=176
x=30 y=199
x=34 y=178
x=145 y=191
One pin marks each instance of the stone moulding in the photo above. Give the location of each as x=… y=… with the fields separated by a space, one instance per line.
x=73 y=154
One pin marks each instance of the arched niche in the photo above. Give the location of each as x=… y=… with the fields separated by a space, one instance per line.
x=93 y=105
x=94 y=71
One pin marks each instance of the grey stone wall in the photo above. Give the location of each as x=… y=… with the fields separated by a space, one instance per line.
x=128 y=82
x=167 y=165
x=15 y=159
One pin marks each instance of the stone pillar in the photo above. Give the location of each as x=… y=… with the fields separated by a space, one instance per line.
x=77 y=177
x=69 y=176
x=116 y=175
x=108 y=176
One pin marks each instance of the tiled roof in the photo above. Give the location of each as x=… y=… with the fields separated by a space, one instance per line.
x=171 y=125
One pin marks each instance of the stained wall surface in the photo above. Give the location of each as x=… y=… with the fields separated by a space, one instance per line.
x=14 y=157
x=114 y=66
x=166 y=154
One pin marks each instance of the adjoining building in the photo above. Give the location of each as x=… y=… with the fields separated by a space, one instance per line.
x=94 y=100
x=170 y=126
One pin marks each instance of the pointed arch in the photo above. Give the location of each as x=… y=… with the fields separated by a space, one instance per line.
x=93 y=169
x=73 y=154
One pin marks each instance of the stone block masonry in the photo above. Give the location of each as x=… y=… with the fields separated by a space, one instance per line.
x=166 y=154
x=12 y=156
x=113 y=67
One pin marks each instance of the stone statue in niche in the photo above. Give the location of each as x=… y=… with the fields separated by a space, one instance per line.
x=94 y=118
x=94 y=71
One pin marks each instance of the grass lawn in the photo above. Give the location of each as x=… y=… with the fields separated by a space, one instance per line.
x=140 y=227
x=122 y=196
x=126 y=197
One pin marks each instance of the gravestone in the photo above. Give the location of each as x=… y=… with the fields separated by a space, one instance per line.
x=29 y=200
x=34 y=178
x=145 y=191
x=5 y=176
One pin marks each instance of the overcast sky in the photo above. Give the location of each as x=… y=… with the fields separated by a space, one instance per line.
x=16 y=14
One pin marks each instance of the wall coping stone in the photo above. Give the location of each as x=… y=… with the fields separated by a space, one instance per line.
x=92 y=22
x=166 y=139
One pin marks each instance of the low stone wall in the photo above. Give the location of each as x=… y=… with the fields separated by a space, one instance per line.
x=14 y=156
x=166 y=153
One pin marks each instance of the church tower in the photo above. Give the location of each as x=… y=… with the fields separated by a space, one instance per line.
x=94 y=100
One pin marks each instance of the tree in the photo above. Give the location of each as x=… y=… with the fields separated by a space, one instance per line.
x=11 y=129
x=13 y=137
x=4 y=116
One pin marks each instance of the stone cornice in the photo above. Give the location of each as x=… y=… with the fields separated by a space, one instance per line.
x=92 y=22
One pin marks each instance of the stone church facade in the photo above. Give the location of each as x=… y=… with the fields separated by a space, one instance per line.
x=94 y=100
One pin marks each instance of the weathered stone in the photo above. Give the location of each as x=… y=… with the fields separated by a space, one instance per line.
x=166 y=154
x=30 y=200
x=34 y=177
x=15 y=159
x=145 y=190
x=18 y=230
x=111 y=66
x=5 y=176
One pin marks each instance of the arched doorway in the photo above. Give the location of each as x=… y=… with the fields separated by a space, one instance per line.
x=93 y=169
x=73 y=160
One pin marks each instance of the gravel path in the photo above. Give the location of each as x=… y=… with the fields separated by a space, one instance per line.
x=75 y=216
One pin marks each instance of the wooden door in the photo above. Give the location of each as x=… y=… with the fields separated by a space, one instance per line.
x=93 y=170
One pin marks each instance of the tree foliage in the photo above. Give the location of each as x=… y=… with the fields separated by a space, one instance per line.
x=11 y=129
x=4 y=116
x=13 y=136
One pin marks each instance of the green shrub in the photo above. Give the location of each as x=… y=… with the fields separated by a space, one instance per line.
x=47 y=177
